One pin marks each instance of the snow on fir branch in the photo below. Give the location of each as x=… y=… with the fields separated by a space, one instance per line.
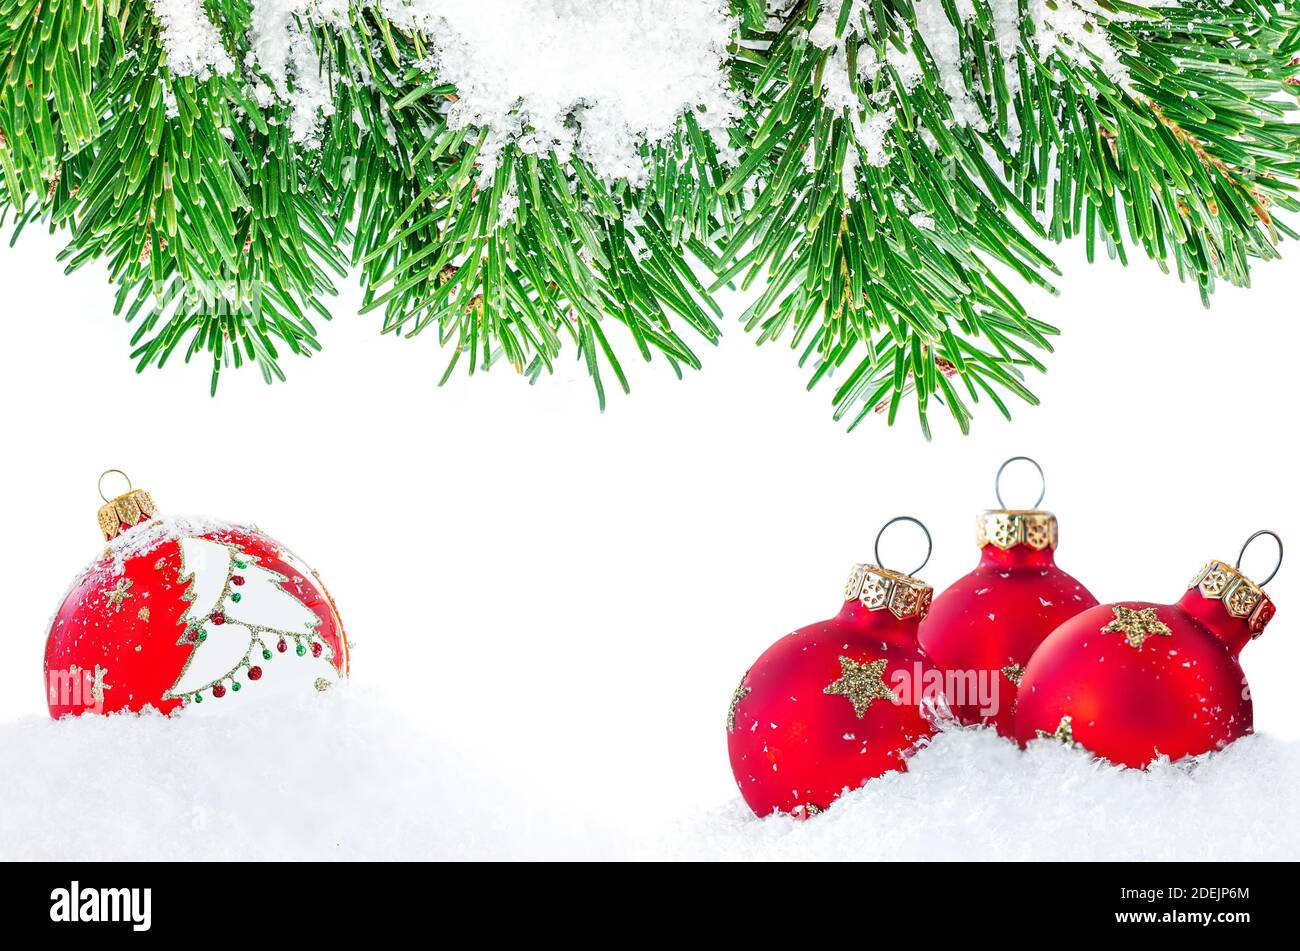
x=193 y=43
x=570 y=78
x=1074 y=28
x=550 y=76
x=285 y=53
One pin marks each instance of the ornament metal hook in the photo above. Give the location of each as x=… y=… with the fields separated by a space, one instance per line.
x=1277 y=538
x=929 y=542
x=100 y=484
x=997 y=480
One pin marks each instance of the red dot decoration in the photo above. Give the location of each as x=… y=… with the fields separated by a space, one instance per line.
x=282 y=646
x=316 y=649
x=218 y=618
x=219 y=691
x=237 y=580
x=255 y=673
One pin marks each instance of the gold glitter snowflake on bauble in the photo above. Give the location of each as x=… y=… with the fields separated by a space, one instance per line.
x=120 y=593
x=861 y=684
x=1013 y=673
x=1136 y=624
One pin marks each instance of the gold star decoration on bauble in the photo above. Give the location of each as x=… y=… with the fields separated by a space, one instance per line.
x=1137 y=624
x=1013 y=673
x=120 y=593
x=1064 y=733
x=740 y=694
x=861 y=683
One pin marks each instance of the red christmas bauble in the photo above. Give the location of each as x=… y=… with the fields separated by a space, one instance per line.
x=1134 y=681
x=983 y=628
x=178 y=610
x=835 y=703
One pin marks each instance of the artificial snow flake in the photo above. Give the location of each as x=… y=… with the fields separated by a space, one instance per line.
x=871 y=134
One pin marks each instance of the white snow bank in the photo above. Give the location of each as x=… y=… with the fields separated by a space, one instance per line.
x=972 y=795
x=340 y=775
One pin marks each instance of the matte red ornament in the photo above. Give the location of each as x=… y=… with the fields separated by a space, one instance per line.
x=151 y=621
x=835 y=703
x=982 y=629
x=1137 y=680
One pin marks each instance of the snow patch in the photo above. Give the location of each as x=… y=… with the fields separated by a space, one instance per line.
x=337 y=775
x=282 y=46
x=1071 y=28
x=971 y=795
x=192 y=42
x=341 y=775
x=592 y=80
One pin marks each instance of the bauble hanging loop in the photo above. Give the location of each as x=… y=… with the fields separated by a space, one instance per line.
x=997 y=480
x=929 y=541
x=1280 y=552
x=108 y=472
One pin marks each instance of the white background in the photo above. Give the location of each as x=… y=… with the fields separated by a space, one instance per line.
x=569 y=598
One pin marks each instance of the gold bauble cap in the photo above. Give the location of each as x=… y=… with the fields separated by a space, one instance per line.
x=881 y=589
x=1241 y=597
x=1007 y=528
x=124 y=511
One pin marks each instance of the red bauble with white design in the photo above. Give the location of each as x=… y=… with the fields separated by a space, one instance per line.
x=189 y=613
x=1136 y=680
x=982 y=629
x=835 y=703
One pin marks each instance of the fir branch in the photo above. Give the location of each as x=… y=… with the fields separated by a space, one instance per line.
x=511 y=255
x=994 y=122
x=892 y=175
